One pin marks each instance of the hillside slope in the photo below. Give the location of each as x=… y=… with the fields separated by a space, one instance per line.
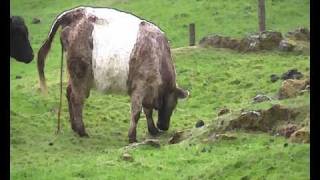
x=216 y=78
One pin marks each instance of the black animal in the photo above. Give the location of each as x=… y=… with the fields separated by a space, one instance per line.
x=20 y=47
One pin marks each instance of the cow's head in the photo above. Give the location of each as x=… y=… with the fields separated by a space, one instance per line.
x=168 y=105
x=20 y=47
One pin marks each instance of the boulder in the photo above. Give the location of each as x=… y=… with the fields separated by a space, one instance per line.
x=292 y=87
x=286 y=45
x=260 y=98
x=270 y=40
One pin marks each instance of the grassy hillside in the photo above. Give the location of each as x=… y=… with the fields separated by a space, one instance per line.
x=226 y=17
x=209 y=75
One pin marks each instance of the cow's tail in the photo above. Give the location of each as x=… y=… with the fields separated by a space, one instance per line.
x=44 y=49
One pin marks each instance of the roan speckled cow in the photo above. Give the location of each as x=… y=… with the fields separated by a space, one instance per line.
x=114 y=51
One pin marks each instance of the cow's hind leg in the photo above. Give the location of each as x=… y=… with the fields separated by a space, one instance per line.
x=77 y=101
x=68 y=95
x=77 y=92
x=151 y=127
x=136 y=107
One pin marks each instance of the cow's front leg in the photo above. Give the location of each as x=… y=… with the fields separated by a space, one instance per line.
x=151 y=127
x=136 y=107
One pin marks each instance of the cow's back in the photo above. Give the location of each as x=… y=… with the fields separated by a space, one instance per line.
x=114 y=35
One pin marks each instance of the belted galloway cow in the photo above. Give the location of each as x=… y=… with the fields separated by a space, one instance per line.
x=115 y=52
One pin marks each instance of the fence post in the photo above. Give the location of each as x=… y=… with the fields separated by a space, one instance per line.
x=192 y=34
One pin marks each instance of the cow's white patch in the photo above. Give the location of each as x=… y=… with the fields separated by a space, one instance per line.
x=114 y=35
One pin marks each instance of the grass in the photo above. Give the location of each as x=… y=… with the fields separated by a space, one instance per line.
x=214 y=77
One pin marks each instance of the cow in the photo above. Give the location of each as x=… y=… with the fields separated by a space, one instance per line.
x=20 y=47
x=115 y=52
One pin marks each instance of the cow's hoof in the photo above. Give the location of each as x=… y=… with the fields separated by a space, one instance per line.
x=132 y=140
x=83 y=134
x=154 y=132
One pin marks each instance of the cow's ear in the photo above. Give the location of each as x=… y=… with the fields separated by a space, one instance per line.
x=181 y=93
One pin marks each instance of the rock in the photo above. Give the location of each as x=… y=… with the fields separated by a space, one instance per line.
x=218 y=41
x=176 y=138
x=152 y=142
x=260 y=98
x=36 y=21
x=213 y=41
x=291 y=88
x=302 y=34
x=292 y=74
x=199 y=123
x=274 y=77
x=270 y=40
x=266 y=40
x=18 y=77
x=301 y=136
x=286 y=45
x=223 y=111
x=250 y=43
x=260 y=41
x=127 y=157
x=287 y=130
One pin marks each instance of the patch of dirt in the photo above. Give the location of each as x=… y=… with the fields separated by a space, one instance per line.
x=261 y=120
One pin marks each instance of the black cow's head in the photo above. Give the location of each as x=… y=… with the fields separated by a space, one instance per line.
x=168 y=105
x=20 y=47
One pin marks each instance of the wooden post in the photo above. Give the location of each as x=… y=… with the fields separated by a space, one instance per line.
x=262 y=15
x=192 y=34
